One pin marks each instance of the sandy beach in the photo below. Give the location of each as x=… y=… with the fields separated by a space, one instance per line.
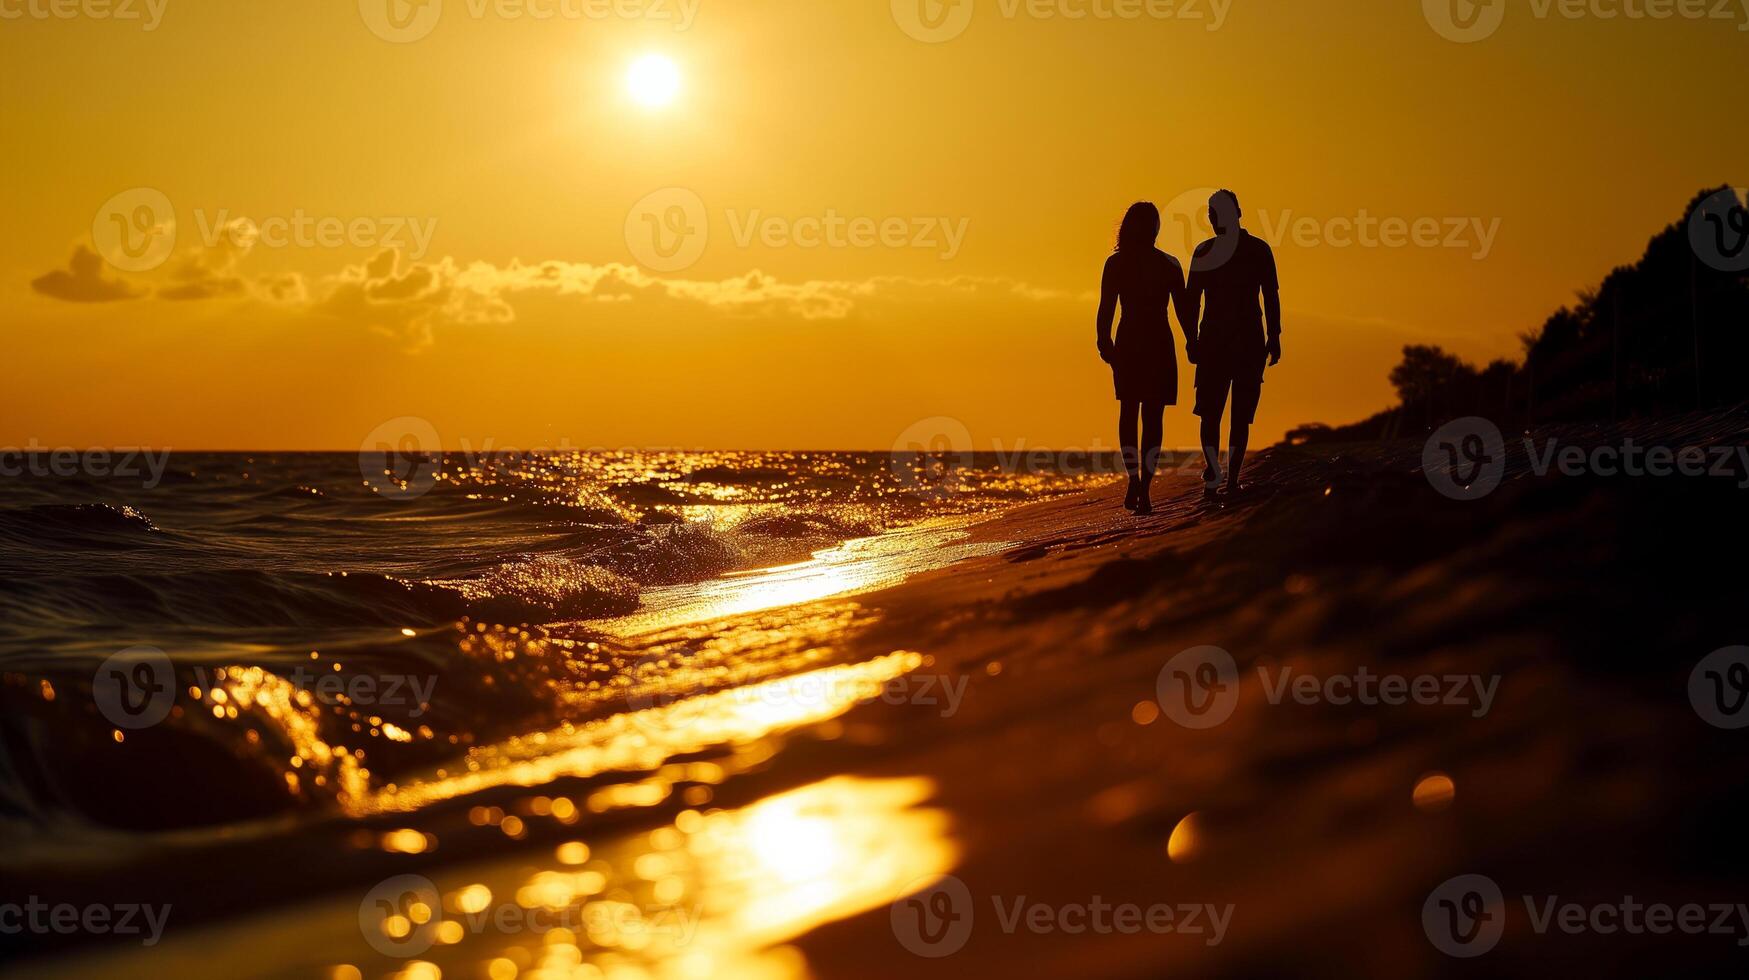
x=789 y=770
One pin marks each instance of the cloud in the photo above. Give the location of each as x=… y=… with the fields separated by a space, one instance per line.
x=413 y=300
x=210 y=272
x=286 y=289
x=83 y=281
x=409 y=303
x=383 y=293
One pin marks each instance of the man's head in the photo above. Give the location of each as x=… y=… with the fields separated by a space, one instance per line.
x=1224 y=211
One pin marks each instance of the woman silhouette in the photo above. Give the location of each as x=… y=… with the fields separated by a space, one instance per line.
x=1144 y=359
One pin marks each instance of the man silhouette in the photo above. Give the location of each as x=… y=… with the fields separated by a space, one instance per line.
x=1230 y=348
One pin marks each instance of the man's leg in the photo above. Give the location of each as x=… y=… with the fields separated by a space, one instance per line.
x=1211 y=450
x=1241 y=436
x=1247 y=392
x=1211 y=404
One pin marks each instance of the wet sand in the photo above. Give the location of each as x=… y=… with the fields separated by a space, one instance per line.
x=998 y=719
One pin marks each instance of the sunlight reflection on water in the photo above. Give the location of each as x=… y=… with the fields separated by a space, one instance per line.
x=860 y=565
x=712 y=894
x=644 y=740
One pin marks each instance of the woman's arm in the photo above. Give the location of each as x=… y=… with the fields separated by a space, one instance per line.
x=1107 y=311
x=1188 y=302
x=1181 y=300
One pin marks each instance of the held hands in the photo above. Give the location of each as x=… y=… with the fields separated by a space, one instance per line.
x=1190 y=349
x=1274 y=351
x=1105 y=350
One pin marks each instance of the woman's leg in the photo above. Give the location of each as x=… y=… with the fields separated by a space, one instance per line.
x=1132 y=452
x=1126 y=437
x=1153 y=435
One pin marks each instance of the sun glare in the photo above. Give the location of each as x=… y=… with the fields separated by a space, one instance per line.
x=653 y=80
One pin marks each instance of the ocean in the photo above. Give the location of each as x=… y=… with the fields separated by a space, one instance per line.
x=297 y=636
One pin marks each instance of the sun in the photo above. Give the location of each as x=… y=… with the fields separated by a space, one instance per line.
x=653 y=80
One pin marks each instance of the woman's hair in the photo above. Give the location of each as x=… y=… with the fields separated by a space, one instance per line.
x=1140 y=227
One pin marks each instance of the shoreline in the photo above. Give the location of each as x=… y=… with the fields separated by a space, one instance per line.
x=1051 y=779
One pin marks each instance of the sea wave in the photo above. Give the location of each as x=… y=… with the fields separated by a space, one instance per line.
x=258 y=573
x=545 y=587
x=91 y=525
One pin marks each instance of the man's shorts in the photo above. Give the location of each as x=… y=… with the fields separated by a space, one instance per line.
x=1242 y=376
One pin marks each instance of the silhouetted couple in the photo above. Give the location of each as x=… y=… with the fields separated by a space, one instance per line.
x=1233 y=270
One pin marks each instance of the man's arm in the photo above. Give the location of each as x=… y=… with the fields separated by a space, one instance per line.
x=1272 y=307
x=1272 y=316
x=1107 y=311
x=1189 y=309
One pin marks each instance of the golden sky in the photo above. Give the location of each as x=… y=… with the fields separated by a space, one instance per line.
x=852 y=216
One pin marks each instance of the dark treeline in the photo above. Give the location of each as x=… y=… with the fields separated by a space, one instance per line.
x=1667 y=334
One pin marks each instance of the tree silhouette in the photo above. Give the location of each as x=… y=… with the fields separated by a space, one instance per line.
x=1667 y=334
